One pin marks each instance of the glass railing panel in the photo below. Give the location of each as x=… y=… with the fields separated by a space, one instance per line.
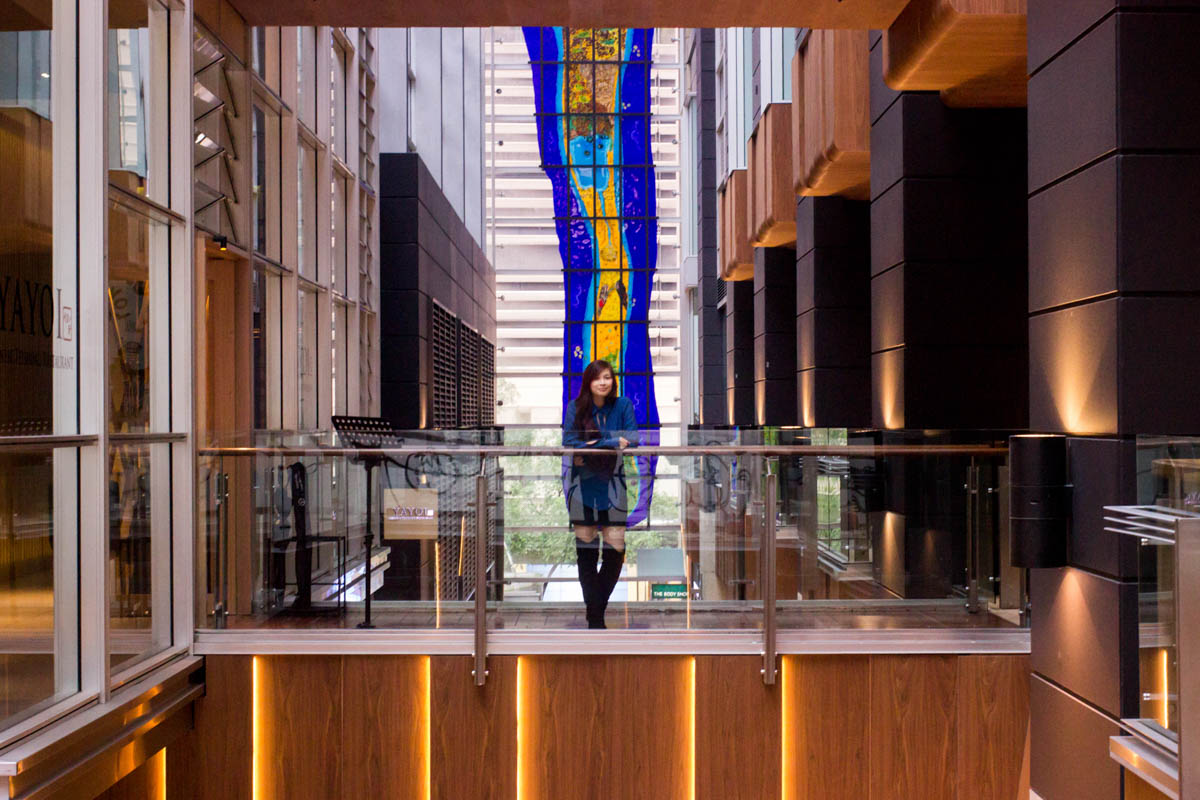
x=891 y=530
x=871 y=529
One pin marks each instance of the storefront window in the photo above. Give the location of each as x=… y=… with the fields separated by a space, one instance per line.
x=138 y=256
x=137 y=105
x=139 y=492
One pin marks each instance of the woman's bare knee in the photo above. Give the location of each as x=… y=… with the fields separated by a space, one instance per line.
x=615 y=537
x=585 y=533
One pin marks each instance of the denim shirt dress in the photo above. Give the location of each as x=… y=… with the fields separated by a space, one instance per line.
x=584 y=486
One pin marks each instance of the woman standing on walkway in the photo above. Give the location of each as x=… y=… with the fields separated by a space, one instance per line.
x=596 y=492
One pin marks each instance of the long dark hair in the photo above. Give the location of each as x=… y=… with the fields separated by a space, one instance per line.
x=583 y=402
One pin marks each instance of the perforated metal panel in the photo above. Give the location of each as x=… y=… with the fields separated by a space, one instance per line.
x=443 y=345
x=468 y=376
x=487 y=383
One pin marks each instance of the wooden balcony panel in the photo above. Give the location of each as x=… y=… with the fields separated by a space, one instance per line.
x=836 y=126
x=973 y=51
x=773 y=222
x=737 y=260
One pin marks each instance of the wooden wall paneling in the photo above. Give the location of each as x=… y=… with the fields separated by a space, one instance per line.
x=798 y=176
x=755 y=169
x=737 y=730
x=737 y=259
x=1138 y=789
x=595 y=728
x=301 y=752
x=836 y=116
x=913 y=730
x=864 y=14
x=219 y=747
x=147 y=782
x=993 y=725
x=973 y=51
x=827 y=738
x=775 y=213
x=473 y=729
x=384 y=737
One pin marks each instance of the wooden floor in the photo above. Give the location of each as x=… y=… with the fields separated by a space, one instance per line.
x=860 y=727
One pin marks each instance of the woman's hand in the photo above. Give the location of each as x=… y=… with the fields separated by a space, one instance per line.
x=623 y=441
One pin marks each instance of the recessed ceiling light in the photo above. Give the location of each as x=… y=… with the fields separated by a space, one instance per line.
x=46 y=75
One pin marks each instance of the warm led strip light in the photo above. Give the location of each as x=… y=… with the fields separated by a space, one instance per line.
x=428 y=728
x=785 y=744
x=256 y=730
x=692 y=727
x=520 y=729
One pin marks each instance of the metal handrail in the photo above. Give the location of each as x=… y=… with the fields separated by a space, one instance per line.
x=496 y=451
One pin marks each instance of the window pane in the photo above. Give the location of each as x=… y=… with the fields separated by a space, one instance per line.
x=338 y=275
x=306 y=211
x=38 y=534
x=139 y=493
x=341 y=362
x=339 y=102
x=306 y=75
x=137 y=97
x=306 y=352
x=37 y=294
x=265 y=181
x=138 y=248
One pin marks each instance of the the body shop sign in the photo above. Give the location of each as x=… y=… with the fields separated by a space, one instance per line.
x=410 y=513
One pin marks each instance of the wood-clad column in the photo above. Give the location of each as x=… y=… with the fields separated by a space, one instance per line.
x=1114 y=314
x=775 y=335
x=737 y=257
x=739 y=352
x=833 y=312
x=831 y=125
x=948 y=270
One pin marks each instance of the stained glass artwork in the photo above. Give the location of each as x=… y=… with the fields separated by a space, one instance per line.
x=592 y=99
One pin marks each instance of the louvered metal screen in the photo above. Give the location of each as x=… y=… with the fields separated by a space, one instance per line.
x=468 y=377
x=487 y=383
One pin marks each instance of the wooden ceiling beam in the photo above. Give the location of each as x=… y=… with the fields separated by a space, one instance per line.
x=858 y=14
x=832 y=122
x=973 y=51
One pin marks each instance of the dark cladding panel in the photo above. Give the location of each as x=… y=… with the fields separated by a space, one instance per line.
x=1072 y=107
x=1073 y=238
x=1069 y=747
x=1103 y=472
x=1084 y=636
x=1073 y=369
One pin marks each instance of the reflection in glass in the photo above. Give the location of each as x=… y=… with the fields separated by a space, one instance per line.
x=306 y=354
x=137 y=97
x=38 y=632
x=137 y=248
x=139 y=499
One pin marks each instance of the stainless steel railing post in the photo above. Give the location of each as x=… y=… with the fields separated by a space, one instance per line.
x=481 y=514
x=768 y=573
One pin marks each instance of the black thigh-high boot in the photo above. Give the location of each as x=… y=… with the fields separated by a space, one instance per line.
x=606 y=581
x=587 y=555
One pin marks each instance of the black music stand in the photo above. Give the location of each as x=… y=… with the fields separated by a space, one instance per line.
x=368 y=433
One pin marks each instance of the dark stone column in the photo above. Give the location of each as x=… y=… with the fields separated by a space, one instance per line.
x=711 y=342
x=1114 y=317
x=948 y=262
x=739 y=352
x=774 y=336
x=833 y=312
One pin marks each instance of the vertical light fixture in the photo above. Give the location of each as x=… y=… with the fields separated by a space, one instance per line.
x=520 y=728
x=692 y=728
x=1166 y=713
x=255 y=729
x=428 y=727
x=785 y=742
